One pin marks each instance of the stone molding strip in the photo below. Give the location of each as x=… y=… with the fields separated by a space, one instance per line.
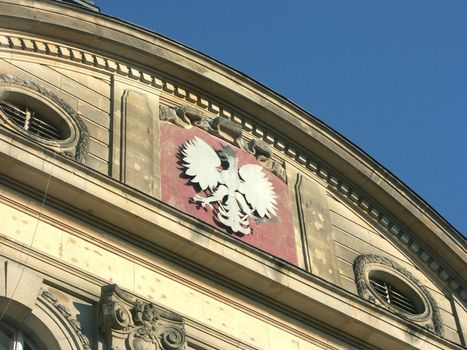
x=38 y=46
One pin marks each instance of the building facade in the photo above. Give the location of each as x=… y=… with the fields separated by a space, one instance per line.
x=153 y=198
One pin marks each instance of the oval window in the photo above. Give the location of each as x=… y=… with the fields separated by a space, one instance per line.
x=37 y=113
x=396 y=293
x=34 y=118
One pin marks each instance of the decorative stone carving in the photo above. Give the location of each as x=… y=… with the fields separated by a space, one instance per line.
x=81 y=148
x=226 y=129
x=130 y=323
x=185 y=116
x=277 y=168
x=264 y=154
x=366 y=263
x=67 y=315
x=260 y=149
x=188 y=116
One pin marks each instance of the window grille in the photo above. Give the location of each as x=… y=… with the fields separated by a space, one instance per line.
x=393 y=296
x=29 y=121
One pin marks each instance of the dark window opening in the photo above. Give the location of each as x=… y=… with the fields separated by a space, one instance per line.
x=32 y=122
x=393 y=296
x=13 y=339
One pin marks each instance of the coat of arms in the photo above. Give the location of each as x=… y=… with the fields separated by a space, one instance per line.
x=234 y=194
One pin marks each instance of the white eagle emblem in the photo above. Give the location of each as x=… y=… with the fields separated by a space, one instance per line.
x=237 y=193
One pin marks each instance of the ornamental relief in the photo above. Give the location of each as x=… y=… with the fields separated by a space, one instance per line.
x=226 y=186
x=130 y=323
x=66 y=315
x=237 y=193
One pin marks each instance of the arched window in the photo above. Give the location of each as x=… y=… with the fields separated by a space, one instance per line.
x=14 y=339
x=32 y=318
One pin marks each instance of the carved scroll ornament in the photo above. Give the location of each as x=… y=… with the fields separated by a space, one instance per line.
x=129 y=323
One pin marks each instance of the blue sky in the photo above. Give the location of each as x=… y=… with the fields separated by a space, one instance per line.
x=388 y=75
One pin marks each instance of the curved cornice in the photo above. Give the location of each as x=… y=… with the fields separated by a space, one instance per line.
x=304 y=139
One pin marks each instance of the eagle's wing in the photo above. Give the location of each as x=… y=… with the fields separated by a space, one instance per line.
x=258 y=190
x=201 y=163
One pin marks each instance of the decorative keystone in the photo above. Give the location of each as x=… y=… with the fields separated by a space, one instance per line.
x=130 y=323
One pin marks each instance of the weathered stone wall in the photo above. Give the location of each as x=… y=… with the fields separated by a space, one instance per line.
x=89 y=257
x=337 y=235
x=122 y=117
x=119 y=102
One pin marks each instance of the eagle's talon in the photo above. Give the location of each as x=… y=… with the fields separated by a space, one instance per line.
x=201 y=201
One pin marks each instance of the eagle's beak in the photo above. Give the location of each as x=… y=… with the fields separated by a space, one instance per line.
x=223 y=156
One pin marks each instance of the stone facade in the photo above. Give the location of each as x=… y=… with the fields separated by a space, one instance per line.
x=105 y=243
